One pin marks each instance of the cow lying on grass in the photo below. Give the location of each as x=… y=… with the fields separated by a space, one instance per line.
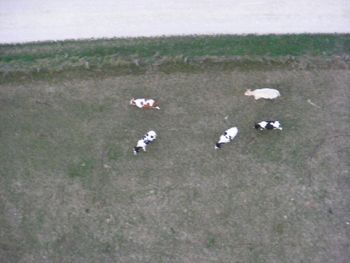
x=226 y=137
x=268 y=125
x=142 y=143
x=263 y=93
x=144 y=103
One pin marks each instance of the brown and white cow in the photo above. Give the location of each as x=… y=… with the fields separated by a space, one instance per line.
x=145 y=103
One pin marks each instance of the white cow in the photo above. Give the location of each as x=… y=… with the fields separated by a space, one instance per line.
x=268 y=125
x=263 y=93
x=226 y=137
x=144 y=141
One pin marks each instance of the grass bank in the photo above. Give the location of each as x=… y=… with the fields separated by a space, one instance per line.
x=135 y=54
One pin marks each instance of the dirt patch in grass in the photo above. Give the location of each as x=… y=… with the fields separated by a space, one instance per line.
x=72 y=191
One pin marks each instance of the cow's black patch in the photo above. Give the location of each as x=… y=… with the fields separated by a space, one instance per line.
x=137 y=149
x=218 y=145
x=269 y=125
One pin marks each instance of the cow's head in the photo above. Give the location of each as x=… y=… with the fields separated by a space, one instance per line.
x=248 y=92
x=132 y=101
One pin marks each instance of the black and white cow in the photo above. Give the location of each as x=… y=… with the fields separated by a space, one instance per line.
x=268 y=125
x=226 y=137
x=148 y=138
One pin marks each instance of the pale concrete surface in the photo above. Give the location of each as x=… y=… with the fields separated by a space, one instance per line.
x=38 y=20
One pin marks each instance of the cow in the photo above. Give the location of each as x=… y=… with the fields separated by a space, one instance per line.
x=226 y=137
x=268 y=125
x=144 y=103
x=146 y=139
x=263 y=93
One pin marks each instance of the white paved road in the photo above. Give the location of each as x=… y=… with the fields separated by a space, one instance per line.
x=38 y=20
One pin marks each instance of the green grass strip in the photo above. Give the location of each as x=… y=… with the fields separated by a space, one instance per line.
x=189 y=46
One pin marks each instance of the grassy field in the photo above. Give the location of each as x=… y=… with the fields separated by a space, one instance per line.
x=72 y=191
